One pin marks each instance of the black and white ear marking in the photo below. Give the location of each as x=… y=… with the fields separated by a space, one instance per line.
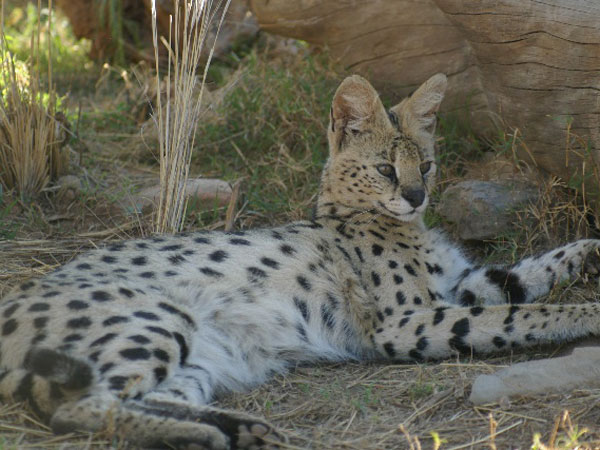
x=331 y=119
x=394 y=119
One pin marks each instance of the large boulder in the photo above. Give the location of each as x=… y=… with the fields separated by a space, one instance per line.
x=481 y=210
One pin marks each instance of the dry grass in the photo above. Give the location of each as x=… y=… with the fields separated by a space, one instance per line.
x=32 y=136
x=178 y=111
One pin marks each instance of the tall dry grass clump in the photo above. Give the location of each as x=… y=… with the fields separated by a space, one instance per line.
x=31 y=138
x=179 y=107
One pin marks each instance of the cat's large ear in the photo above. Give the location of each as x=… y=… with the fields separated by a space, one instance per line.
x=416 y=114
x=355 y=108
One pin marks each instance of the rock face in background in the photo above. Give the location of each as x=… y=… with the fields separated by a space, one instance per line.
x=526 y=65
x=88 y=22
x=484 y=209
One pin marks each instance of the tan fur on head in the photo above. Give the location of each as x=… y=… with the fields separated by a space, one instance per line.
x=380 y=162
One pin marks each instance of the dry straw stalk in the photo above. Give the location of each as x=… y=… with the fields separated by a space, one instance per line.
x=31 y=138
x=178 y=110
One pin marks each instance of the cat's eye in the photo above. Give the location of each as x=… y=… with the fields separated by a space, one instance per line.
x=425 y=167
x=387 y=170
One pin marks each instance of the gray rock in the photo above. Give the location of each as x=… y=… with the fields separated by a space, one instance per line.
x=580 y=370
x=209 y=190
x=484 y=209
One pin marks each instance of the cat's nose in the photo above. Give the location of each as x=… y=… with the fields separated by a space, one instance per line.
x=414 y=197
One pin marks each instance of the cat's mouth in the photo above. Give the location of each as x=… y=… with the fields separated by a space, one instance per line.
x=404 y=217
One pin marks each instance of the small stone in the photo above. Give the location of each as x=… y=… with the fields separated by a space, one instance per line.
x=485 y=209
x=207 y=190
x=579 y=370
x=68 y=187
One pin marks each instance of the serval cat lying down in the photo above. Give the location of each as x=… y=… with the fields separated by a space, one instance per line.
x=138 y=337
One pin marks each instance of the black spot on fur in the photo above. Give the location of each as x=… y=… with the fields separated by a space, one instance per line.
x=392 y=264
x=269 y=262
x=398 y=279
x=201 y=240
x=403 y=322
x=83 y=266
x=79 y=322
x=420 y=330
x=126 y=292
x=301 y=332
x=109 y=259
x=327 y=317
x=176 y=259
x=559 y=254
x=161 y=355
x=434 y=269
x=439 y=315
x=287 y=249
x=359 y=254
x=77 y=305
x=255 y=274
x=376 y=279
x=104 y=339
x=303 y=308
x=135 y=354
x=238 y=241
x=160 y=331
x=29 y=284
x=9 y=327
x=476 y=310
x=184 y=350
x=377 y=235
x=147 y=275
x=499 y=342
x=511 y=312
x=210 y=272
x=218 y=256
x=139 y=261
x=409 y=269
x=303 y=282
x=176 y=311
x=74 y=337
x=36 y=307
x=160 y=373
x=50 y=294
x=460 y=329
x=106 y=367
x=146 y=315
x=101 y=296
x=422 y=343
x=509 y=283
x=113 y=320
x=400 y=298
x=377 y=249
x=417 y=300
x=38 y=322
x=415 y=355
x=170 y=248
x=467 y=298
x=139 y=339
x=389 y=349
x=118 y=382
